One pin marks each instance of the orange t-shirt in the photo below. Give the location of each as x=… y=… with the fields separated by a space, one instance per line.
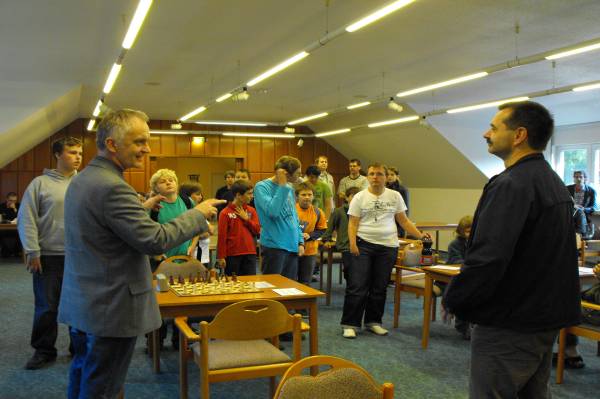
x=309 y=223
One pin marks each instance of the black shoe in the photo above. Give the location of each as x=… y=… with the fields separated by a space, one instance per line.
x=38 y=361
x=286 y=337
x=575 y=362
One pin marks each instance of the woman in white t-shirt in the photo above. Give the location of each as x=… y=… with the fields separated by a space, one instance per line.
x=374 y=245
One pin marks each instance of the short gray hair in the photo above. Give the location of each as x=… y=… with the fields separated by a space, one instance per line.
x=116 y=124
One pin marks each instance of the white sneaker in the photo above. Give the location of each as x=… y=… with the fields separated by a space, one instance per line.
x=349 y=333
x=375 y=329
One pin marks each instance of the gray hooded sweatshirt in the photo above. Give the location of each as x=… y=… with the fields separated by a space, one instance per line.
x=41 y=217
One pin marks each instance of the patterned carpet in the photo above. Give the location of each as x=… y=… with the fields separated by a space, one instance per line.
x=439 y=372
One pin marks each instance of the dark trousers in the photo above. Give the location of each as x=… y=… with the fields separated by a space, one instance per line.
x=347 y=261
x=241 y=265
x=99 y=365
x=306 y=266
x=10 y=245
x=368 y=276
x=510 y=364
x=279 y=261
x=46 y=291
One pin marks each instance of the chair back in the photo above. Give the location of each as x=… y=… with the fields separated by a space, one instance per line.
x=252 y=319
x=186 y=266
x=345 y=380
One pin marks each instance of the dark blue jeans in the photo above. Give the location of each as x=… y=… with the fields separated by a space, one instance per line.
x=368 y=276
x=241 y=265
x=306 y=266
x=99 y=365
x=279 y=261
x=46 y=291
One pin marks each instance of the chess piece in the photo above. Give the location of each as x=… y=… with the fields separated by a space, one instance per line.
x=199 y=277
x=191 y=279
x=234 y=277
x=171 y=282
x=180 y=280
x=226 y=278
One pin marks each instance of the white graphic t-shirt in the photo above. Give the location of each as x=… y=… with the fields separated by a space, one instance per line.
x=377 y=214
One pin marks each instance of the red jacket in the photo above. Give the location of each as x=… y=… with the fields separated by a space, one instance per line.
x=236 y=236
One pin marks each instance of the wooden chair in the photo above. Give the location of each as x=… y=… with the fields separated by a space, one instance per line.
x=581 y=330
x=187 y=265
x=233 y=346
x=411 y=279
x=345 y=380
x=588 y=249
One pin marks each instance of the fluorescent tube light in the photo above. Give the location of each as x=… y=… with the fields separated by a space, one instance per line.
x=308 y=118
x=91 y=124
x=353 y=106
x=587 y=87
x=382 y=12
x=182 y=132
x=278 y=68
x=112 y=77
x=194 y=112
x=579 y=50
x=486 y=105
x=198 y=140
x=136 y=23
x=97 y=108
x=394 y=121
x=272 y=135
x=332 y=132
x=224 y=97
x=231 y=123
x=442 y=84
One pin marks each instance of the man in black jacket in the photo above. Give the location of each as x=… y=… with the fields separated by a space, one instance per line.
x=584 y=197
x=519 y=284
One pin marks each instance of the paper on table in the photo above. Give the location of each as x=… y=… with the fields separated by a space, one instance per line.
x=444 y=267
x=288 y=291
x=586 y=271
x=263 y=284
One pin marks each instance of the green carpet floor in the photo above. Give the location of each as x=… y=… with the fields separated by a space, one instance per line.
x=439 y=372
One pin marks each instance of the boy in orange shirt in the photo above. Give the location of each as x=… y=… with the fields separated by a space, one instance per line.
x=313 y=224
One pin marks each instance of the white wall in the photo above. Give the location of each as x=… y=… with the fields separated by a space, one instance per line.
x=577 y=134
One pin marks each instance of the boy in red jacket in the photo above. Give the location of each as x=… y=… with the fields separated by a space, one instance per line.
x=238 y=226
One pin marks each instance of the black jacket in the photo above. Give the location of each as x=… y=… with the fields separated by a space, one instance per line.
x=589 y=197
x=520 y=270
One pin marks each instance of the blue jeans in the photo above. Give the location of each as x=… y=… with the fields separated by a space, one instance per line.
x=306 y=266
x=279 y=261
x=46 y=290
x=99 y=365
x=368 y=276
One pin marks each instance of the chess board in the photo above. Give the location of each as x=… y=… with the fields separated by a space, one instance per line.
x=214 y=288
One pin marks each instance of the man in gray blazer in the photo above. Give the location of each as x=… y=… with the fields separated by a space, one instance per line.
x=107 y=297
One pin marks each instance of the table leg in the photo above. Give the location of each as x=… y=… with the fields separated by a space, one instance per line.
x=329 y=267
x=321 y=272
x=437 y=241
x=156 y=350
x=427 y=310
x=313 y=334
x=397 y=296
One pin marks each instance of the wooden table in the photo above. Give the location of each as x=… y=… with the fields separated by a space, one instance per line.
x=445 y=273
x=172 y=306
x=8 y=227
x=436 y=226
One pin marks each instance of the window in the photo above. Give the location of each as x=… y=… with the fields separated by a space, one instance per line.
x=569 y=158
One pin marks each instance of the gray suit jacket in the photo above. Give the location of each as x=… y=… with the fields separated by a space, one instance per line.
x=107 y=284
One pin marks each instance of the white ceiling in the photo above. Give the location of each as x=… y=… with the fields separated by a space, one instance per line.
x=190 y=52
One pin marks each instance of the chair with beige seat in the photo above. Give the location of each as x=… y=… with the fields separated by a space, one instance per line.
x=241 y=342
x=181 y=265
x=411 y=279
x=345 y=380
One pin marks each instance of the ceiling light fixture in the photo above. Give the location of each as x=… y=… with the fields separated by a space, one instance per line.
x=136 y=23
x=443 y=84
x=198 y=140
x=332 y=132
x=278 y=68
x=587 y=87
x=231 y=123
x=180 y=132
x=393 y=105
x=394 y=121
x=112 y=77
x=194 y=112
x=97 y=108
x=289 y=129
x=243 y=96
x=308 y=118
x=579 y=50
x=224 y=97
x=354 y=106
x=91 y=124
x=382 y=12
x=486 y=105
x=272 y=135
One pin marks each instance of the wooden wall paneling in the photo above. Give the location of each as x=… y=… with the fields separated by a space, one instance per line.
x=253 y=157
x=75 y=129
x=293 y=149
x=267 y=159
x=226 y=146
x=24 y=179
x=240 y=149
x=25 y=161
x=182 y=145
x=13 y=166
x=307 y=153
x=281 y=148
x=321 y=148
x=42 y=157
x=154 y=144
x=211 y=145
x=198 y=149
x=89 y=149
x=167 y=144
x=8 y=183
x=137 y=180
